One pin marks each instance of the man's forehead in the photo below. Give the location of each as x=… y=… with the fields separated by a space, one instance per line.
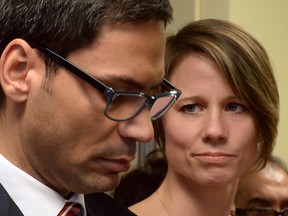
x=274 y=174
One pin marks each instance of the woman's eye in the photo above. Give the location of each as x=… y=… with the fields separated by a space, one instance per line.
x=191 y=108
x=235 y=107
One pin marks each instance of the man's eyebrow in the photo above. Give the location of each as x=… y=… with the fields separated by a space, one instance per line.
x=129 y=82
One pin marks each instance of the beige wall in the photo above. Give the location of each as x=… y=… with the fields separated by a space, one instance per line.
x=267 y=20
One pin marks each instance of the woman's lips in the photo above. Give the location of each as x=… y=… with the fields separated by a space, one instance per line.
x=217 y=158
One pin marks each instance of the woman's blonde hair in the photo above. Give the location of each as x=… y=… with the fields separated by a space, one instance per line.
x=245 y=65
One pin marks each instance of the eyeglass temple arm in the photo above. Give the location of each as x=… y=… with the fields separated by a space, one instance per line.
x=74 y=69
x=86 y=77
x=170 y=86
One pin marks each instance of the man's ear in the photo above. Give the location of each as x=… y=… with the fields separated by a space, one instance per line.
x=14 y=70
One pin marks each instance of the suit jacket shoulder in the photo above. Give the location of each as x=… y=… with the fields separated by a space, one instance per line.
x=100 y=204
x=7 y=205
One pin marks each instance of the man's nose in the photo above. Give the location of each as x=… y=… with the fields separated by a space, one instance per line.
x=139 y=128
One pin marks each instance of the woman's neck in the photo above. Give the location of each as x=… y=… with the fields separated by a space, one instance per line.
x=180 y=196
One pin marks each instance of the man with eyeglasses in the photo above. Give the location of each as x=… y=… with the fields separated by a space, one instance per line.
x=81 y=83
x=265 y=192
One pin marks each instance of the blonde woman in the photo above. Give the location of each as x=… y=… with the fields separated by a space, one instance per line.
x=223 y=125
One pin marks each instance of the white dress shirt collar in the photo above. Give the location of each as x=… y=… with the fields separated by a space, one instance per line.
x=31 y=196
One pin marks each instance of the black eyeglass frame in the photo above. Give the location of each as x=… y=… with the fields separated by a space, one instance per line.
x=242 y=211
x=111 y=93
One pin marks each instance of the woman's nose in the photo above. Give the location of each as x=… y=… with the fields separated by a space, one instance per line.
x=214 y=129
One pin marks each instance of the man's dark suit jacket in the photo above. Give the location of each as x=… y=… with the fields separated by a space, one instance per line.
x=98 y=204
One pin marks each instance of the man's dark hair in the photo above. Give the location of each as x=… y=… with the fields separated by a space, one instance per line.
x=68 y=25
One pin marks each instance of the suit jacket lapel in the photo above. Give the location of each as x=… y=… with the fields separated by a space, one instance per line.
x=7 y=205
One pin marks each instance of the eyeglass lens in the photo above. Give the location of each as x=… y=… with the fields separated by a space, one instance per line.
x=126 y=106
x=161 y=105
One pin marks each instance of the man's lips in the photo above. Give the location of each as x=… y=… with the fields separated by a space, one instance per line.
x=116 y=165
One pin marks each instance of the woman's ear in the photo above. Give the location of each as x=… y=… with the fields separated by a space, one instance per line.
x=14 y=70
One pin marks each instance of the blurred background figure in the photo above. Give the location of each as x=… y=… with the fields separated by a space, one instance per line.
x=265 y=192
